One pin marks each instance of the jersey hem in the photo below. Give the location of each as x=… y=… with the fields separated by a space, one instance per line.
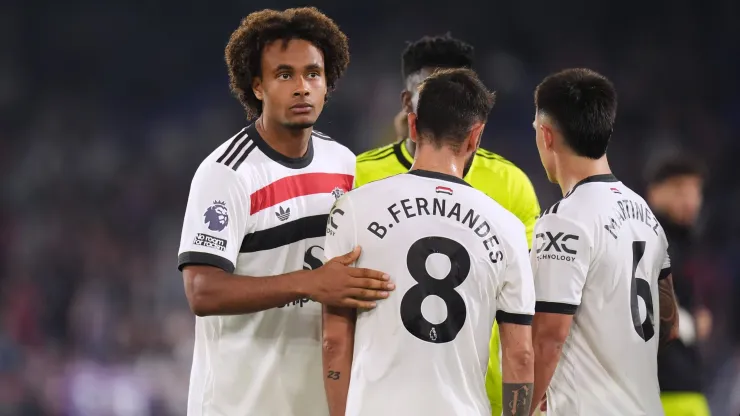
x=555 y=307
x=204 y=259
x=503 y=317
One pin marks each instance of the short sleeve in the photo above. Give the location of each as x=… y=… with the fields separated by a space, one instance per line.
x=561 y=254
x=665 y=270
x=516 y=296
x=341 y=237
x=215 y=218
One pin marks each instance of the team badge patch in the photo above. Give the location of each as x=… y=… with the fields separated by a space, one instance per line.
x=337 y=192
x=217 y=216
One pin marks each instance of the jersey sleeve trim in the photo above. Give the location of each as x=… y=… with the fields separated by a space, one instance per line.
x=191 y=258
x=513 y=318
x=555 y=307
x=664 y=273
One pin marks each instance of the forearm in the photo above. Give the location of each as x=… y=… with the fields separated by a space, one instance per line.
x=668 y=312
x=518 y=379
x=220 y=293
x=338 y=345
x=517 y=368
x=546 y=357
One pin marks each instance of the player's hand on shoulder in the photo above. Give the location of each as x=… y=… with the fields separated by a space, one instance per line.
x=337 y=284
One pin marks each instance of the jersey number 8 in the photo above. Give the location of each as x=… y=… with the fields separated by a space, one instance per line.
x=641 y=288
x=427 y=285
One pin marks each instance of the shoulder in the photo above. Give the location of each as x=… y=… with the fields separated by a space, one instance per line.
x=375 y=155
x=324 y=142
x=226 y=159
x=492 y=164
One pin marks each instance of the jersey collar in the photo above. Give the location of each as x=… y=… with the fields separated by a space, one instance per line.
x=288 y=162
x=437 y=175
x=606 y=177
x=406 y=160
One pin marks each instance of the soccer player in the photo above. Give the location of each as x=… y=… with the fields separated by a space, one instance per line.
x=486 y=171
x=601 y=269
x=459 y=260
x=251 y=246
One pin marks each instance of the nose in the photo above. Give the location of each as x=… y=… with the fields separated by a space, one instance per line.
x=301 y=88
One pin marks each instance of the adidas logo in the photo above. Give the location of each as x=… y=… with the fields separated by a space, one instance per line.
x=283 y=214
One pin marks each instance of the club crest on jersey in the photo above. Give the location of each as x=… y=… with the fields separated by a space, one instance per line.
x=615 y=190
x=217 y=216
x=337 y=192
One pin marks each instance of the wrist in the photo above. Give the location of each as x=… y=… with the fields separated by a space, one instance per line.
x=300 y=282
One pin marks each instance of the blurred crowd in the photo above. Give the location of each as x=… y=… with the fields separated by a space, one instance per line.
x=106 y=109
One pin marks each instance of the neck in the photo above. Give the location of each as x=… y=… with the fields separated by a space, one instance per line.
x=289 y=142
x=410 y=146
x=573 y=169
x=441 y=160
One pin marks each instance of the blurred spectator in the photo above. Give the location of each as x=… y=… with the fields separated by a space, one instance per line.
x=675 y=194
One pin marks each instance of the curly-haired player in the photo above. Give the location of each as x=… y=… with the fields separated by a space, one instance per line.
x=250 y=272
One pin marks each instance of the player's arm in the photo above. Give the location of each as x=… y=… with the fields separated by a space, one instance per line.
x=209 y=249
x=514 y=316
x=560 y=257
x=668 y=330
x=338 y=329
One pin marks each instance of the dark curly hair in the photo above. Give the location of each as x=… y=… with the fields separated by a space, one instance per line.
x=436 y=52
x=244 y=51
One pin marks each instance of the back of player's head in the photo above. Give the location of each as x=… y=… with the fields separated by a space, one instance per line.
x=258 y=29
x=436 y=52
x=674 y=167
x=583 y=106
x=451 y=103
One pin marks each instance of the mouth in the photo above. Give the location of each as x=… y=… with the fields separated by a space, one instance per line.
x=301 y=108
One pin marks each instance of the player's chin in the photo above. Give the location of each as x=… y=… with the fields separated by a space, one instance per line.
x=300 y=122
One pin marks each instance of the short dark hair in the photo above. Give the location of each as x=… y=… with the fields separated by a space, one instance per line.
x=244 y=51
x=583 y=105
x=451 y=101
x=675 y=166
x=436 y=52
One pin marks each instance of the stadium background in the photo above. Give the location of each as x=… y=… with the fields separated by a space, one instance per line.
x=107 y=108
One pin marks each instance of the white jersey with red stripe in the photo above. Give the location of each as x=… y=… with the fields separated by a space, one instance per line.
x=598 y=254
x=252 y=211
x=458 y=260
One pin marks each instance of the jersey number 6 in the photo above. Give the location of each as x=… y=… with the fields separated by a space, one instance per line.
x=411 y=316
x=641 y=288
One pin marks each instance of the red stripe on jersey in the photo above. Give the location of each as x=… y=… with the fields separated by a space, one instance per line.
x=298 y=185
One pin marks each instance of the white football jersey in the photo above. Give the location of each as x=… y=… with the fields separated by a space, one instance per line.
x=459 y=260
x=255 y=212
x=598 y=254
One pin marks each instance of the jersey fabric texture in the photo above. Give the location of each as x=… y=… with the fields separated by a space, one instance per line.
x=252 y=211
x=459 y=260
x=598 y=254
x=489 y=173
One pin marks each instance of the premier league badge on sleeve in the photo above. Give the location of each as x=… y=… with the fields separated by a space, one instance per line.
x=217 y=216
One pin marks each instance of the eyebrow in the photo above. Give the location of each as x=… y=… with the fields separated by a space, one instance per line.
x=286 y=67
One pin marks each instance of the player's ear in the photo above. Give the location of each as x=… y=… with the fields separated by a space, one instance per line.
x=412 y=127
x=406 y=104
x=475 y=136
x=548 y=136
x=257 y=88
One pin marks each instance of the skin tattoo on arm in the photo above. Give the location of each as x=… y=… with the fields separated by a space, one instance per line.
x=517 y=398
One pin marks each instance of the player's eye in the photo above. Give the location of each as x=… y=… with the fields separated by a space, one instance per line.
x=314 y=75
x=284 y=76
